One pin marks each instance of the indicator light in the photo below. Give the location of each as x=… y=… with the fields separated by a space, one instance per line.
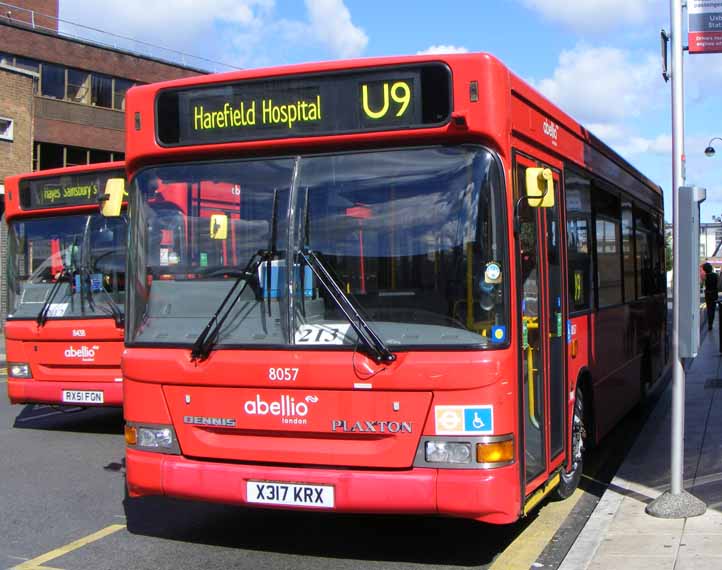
x=131 y=435
x=495 y=452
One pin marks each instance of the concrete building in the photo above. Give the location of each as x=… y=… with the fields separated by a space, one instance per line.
x=78 y=91
x=62 y=95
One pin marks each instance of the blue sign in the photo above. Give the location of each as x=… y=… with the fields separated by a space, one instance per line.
x=479 y=419
x=498 y=333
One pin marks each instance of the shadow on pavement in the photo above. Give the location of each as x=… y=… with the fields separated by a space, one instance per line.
x=389 y=538
x=602 y=462
x=71 y=419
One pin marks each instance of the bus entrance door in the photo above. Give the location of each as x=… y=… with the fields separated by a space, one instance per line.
x=541 y=313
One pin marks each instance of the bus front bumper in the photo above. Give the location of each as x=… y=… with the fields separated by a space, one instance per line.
x=22 y=391
x=486 y=495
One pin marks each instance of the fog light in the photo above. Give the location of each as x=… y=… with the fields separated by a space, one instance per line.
x=448 y=452
x=495 y=452
x=19 y=370
x=154 y=437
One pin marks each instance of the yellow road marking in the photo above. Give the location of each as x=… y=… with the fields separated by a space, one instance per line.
x=527 y=547
x=36 y=563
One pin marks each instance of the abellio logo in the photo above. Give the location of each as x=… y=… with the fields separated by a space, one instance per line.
x=289 y=410
x=550 y=129
x=82 y=352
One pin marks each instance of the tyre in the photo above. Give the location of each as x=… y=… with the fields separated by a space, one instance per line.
x=570 y=479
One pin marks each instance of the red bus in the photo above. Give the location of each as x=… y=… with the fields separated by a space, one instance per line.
x=66 y=287
x=441 y=289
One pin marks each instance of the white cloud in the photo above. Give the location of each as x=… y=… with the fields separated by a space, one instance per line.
x=601 y=85
x=444 y=48
x=331 y=22
x=237 y=31
x=596 y=16
x=626 y=142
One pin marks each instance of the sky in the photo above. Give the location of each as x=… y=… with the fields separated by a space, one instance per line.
x=599 y=60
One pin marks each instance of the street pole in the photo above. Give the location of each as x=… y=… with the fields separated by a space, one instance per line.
x=678 y=177
x=677 y=503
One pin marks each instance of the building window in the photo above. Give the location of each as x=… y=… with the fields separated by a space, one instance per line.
x=27 y=64
x=75 y=156
x=99 y=156
x=102 y=92
x=120 y=88
x=6 y=129
x=52 y=81
x=78 y=86
x=49 y=155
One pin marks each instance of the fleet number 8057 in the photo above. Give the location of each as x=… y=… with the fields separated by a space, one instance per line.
x=282 y=374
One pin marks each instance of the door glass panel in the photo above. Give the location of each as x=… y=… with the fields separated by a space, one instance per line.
x=531 y=342
x=556 y=326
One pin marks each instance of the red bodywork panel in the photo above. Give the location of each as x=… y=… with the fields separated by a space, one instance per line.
x=60 y=361
x=165 y=386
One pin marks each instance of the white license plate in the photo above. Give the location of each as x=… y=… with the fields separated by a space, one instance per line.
x=291 y=494
x=83 y=396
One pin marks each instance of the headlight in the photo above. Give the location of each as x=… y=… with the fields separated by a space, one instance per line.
x=161 y=439
x=464 y=452
x=19 y=370
x=448 y=452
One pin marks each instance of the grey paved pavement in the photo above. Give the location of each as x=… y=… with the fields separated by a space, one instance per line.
x=620 y=534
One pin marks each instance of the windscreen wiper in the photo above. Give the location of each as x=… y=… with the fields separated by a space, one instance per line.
x=379 y=351
x=203 y=344
x=86 y=282
x=63 y=277
x=205 y=341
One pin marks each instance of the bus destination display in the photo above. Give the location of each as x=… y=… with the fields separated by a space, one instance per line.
x=398 y=98
x=66 y=190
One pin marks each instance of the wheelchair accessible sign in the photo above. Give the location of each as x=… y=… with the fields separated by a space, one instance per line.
x=464 y=420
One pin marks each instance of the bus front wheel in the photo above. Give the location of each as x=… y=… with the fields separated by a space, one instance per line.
x=570 y=479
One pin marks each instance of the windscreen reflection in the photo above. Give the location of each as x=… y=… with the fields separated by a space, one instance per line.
x=81 y=256
x=413 y=239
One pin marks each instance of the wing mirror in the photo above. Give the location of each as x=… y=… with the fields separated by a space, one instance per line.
x=539 y=188
x=112 y=200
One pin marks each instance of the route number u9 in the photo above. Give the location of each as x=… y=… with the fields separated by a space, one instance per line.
x=282 y=374
x=399 y=92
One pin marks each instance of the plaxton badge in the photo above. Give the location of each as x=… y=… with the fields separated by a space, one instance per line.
x=371 y=426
